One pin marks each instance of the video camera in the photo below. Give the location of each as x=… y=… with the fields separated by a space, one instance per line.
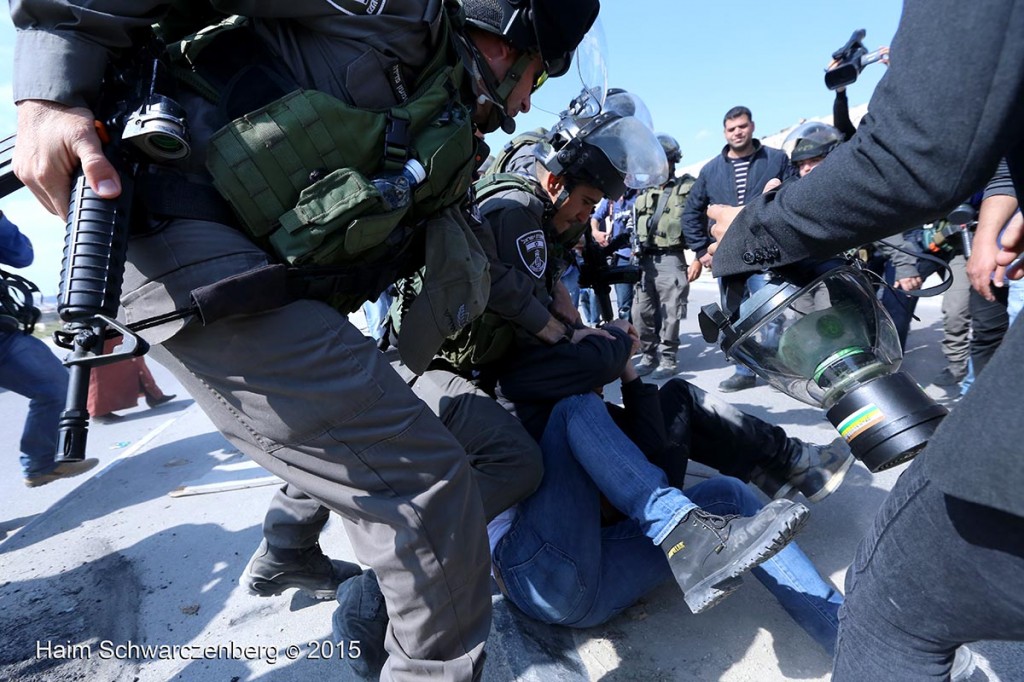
x=598 y=275
x=852 y=58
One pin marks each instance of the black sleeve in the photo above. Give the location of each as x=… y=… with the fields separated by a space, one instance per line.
x=909 y=163
x=695 y=220
x=550 y=373
x=841 y=115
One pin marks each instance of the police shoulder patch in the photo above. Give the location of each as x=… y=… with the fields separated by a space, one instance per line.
x=533 y=250
x=358 y=7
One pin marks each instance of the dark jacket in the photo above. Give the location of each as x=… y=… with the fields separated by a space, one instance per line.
x=716 y=185
x=908 y=165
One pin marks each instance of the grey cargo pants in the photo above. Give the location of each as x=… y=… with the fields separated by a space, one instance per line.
x=301 y=391
x=660 y=304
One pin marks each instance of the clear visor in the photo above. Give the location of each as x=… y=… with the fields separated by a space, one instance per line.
x=586 y=81
x=812 y=132
x=628 y=104
x=633 y=149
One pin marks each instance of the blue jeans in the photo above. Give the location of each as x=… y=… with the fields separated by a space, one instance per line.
x=571 y=280
x=29 y=368
x=560 y=566
x=591 y=306
x=1015 y=303
x=754 y=284
x=934 y=572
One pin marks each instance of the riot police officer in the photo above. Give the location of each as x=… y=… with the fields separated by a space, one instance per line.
x=663 y=291
x=296 y=386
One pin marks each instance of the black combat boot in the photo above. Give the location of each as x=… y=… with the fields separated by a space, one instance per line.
x=273 y=570
x=817 y=471
x=708 y=553
x=361 y=617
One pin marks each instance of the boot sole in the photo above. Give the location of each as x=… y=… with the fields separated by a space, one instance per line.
x=718 y=586
x=833 y=483
x=264 y=588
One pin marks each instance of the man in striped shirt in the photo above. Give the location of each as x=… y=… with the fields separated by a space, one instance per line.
x=743 y=170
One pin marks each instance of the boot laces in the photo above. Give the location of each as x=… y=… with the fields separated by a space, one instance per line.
x=714 y=523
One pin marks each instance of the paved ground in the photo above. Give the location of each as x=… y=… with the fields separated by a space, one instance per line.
x=91 y=565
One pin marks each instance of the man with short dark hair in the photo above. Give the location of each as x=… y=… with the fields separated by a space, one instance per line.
x=744 y=170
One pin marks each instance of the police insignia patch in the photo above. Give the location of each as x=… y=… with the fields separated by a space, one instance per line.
x=358 y=7
x=533 y=250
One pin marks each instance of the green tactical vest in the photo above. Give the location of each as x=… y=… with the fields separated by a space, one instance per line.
x=297 y=171
x=490 y=337
x=512 y=149
x=668 y=233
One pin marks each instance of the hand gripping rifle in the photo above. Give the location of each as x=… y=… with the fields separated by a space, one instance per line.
x=137 y=126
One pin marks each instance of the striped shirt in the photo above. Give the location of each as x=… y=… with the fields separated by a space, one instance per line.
x=740 y=168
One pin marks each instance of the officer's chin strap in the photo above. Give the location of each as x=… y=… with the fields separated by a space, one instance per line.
x=497 y=92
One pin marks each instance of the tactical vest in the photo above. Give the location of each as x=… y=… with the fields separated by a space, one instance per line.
x=297 y=171
x=18 y=312
x=512 y=149
x=490 y=337
x=667 y=233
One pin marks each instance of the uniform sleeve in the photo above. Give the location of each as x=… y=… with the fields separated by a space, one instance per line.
x=513 y=288
x=62 y=47
x=909 y=163
x=15 y=248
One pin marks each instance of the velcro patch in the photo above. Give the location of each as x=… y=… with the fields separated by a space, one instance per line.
x=533 y=250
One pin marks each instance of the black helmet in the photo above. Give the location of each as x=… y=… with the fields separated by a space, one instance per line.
x=672 y=151
x=552 y=27
x=811 y=140
x=609 y=151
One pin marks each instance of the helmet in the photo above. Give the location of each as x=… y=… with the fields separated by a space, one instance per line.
x=811 y=140
x=609 y=151
x=627 y=104
x=671 y=147
x=552 y=27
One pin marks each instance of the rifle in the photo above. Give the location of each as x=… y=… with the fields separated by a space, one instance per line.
x=138 y=126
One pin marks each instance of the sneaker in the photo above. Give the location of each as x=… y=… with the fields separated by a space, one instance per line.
x=362 y=617
x=708 y=553
x=63 y=470
x=666 y=370
x=155 y=402
x=963 y=665
x=272 y=570
x=949 y=377
x=817 y=473
x=646 y=366
x=737 y=382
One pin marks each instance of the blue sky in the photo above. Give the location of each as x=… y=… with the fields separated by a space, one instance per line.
x=690 y=62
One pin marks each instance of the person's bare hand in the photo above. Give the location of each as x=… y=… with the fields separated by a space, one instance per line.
x=774 y=183
x=582 y=333
x=627 y=327
x=562 y=307
x=1011 y=246
x=908 y=283
x=706 y=259
x=53 y=140
x=723 y=216
x=983 y=270
x=693 y=271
